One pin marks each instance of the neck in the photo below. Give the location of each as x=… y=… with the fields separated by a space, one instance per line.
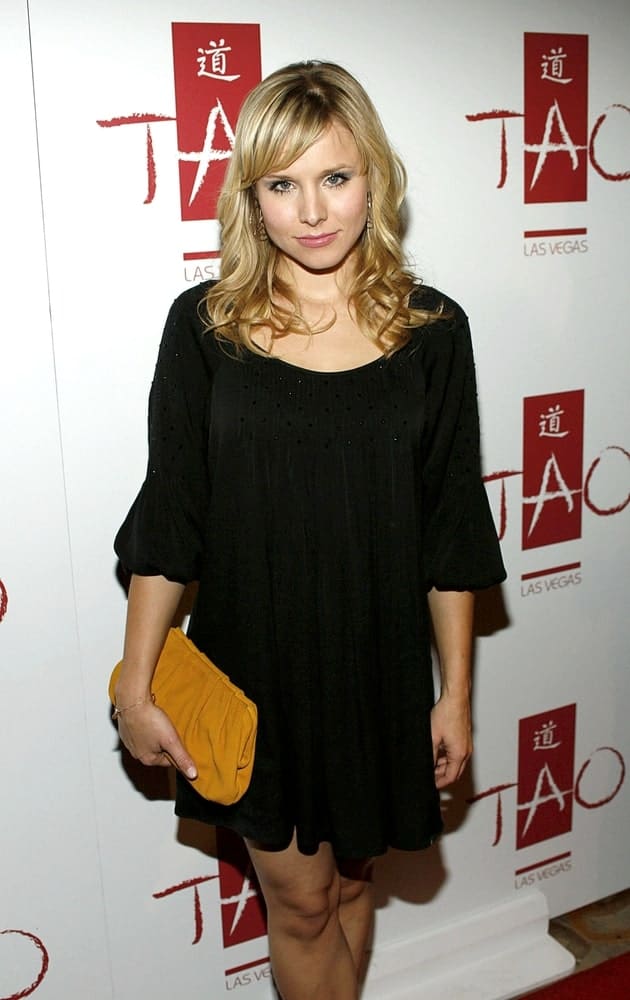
x=320 y=287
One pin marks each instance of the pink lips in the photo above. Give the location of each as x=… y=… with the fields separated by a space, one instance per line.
x=313 y=242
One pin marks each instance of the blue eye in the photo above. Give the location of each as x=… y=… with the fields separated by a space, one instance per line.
x=281 y=186
x=337 y=180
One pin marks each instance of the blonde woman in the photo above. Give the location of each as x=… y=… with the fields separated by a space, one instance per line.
x=314 y=465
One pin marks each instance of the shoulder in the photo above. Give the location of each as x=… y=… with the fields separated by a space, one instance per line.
x=433 y=300
x=445 y=332
x=186 y=328
x=187 y=303
x=440 y=347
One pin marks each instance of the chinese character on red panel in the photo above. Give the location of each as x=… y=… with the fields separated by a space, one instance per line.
x=556 y=117
x=215 y=67
x=546 y=762
x=553 y=440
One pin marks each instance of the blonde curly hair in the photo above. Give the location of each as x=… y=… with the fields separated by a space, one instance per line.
x=280 y=119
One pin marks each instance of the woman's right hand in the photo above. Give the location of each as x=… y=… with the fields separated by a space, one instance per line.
x=151 y=738
x=144 y=728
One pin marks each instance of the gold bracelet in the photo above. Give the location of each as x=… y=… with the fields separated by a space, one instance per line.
x=143 y=701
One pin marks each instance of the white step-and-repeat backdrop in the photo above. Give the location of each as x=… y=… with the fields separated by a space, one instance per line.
x=514 y=123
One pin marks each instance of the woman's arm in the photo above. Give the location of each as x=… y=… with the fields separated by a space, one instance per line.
x=451 y=725
x=144 y=728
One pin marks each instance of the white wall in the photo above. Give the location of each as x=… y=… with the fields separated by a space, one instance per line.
x=51 y=877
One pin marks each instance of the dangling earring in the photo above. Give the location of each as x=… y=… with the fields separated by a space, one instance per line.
x=369 y=222
x=258 y=225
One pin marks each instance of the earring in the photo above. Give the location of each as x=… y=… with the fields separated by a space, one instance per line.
x=369 y=222
x=258 y=226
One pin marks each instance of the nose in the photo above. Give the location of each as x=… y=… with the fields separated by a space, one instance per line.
x=312 y=206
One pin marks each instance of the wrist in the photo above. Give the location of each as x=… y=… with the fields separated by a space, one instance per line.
x=459 y=692
x=133 y=682
x=121 y=707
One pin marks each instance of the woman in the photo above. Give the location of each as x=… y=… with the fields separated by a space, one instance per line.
x=314 y=465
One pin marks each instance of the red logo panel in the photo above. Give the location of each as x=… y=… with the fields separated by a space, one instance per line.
x=556 y=117
x=553 y=441
x=242 y=908
x=546 y=762
x=215 y=67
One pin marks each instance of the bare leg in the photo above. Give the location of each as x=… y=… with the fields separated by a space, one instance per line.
x=310 y=956
x=356 y=912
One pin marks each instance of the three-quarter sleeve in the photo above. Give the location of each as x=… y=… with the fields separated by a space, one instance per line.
x=163 y=533
x=460 y=545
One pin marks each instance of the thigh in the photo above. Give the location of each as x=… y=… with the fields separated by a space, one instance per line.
x=290 y=873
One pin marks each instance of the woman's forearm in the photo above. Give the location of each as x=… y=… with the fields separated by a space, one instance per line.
x=452 y=617
x=153 y=601
x=451 y=723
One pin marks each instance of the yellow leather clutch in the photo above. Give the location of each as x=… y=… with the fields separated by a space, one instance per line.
x=216 y=722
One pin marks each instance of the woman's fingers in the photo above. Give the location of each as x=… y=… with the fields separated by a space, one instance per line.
x=151 y=738
x=452 y=740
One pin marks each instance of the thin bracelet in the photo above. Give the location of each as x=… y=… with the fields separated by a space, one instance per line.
x=143 y=701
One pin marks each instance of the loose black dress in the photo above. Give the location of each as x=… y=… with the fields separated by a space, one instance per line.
x=316 y=510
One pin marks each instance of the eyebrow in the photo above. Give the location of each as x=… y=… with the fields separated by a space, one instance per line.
x=324 y=173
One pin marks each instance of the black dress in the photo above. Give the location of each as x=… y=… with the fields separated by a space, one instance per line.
x=316 y=510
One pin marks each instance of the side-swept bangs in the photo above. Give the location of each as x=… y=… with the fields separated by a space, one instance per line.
x=277 y=138
x=279 y=123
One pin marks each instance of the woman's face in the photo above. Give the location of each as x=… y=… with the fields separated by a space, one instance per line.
x=315 y=210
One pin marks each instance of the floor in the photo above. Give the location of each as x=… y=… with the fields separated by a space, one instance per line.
x=596 y=932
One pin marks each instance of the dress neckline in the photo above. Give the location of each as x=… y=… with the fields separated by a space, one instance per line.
x=316 y=371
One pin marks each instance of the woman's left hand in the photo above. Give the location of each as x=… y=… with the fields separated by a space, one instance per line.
x=451 y=731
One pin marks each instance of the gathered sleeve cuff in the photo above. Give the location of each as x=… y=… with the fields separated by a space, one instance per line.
x=460 y=545
x=163 y=533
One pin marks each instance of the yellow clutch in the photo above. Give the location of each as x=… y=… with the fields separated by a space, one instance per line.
x=214 y=719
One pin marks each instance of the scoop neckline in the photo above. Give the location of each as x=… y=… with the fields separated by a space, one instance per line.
x=336 y=371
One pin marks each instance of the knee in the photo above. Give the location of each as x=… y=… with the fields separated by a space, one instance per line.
x=303 y=913
x=353 y=890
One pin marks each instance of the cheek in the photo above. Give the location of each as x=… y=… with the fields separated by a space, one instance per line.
x=275 y=214
x=355 y=209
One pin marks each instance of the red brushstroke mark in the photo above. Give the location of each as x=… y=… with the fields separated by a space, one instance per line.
x=491 y=478
x=134 y=119
x=198 y=918
x=151 y=171
x=504 y=158
x=42 y=972
x=191 y=883
x=187 y=884
x=141 y=119
x=498 y=830
x=601 y=511
x=4 y=600
x=501 y=115
x=608 y=798
x=624 y=176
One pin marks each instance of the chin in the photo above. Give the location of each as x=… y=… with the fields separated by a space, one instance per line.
x=322 y=261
